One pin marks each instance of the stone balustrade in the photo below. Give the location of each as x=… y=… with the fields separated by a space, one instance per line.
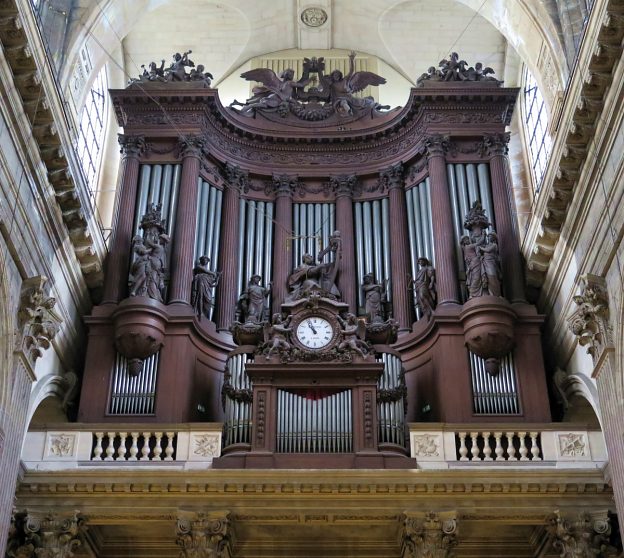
x=441 y=446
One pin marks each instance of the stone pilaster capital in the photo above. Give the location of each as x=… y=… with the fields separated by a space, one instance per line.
x=191 y=146
x=132 y=146
x=391 y=177
x=45 y=535
x=495 y=144
x=343 y=185
x=581 y=535
x=284 y=185
x=237 y=178
x=437 y=145
x=200 y=535
x=590 y=320
x=428 y=534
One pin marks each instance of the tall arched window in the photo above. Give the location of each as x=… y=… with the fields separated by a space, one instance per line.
x=536 y=126
x=92 y=131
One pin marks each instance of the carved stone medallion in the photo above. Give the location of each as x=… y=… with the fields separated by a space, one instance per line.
x=314 y=17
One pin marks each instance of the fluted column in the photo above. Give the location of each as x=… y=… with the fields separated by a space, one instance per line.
x=442 y=216
x=392 y=179
x=282 y=259
x=119 y=255
x=181 y=261
x=343 y=186
x=227 y=290
x=495 y=147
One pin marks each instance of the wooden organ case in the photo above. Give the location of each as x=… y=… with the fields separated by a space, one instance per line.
x=241 y=233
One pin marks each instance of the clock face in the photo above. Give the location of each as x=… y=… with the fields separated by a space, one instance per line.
x=315 y=332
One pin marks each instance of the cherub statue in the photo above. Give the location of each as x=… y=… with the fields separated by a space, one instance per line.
x=278 y=334
x=177 y=71
x=274 y=91
x=350 y=335
x=342 y=88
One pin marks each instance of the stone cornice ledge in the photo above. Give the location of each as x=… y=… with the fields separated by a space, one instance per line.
x=599 y=53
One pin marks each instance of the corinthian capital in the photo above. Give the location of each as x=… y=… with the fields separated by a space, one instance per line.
x=343 y=185
x=191 y=146
x=45 y=535
x=582 y=536
x=284 y=184
x=236 y=177
x=437 y=145
x=495 y=144
x=131 y=146
x=204 y=535
x=391 y=177
x=429 y=535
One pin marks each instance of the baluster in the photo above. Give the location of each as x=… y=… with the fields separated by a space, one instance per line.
x=145 y=449
x=463 y=450
x=487 y=450
x=121 y=451
x=535 y=451
x=97 y=450
x=110 y=448
x=524 y=451
x=498 y=450
x=169 y=448
x=511 y=451
x=474 y=450
x=157 y=448
x=134 y=448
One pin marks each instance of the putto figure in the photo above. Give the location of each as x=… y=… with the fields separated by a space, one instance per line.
x=279 y=335
x=351 y=339
x=251 y=301
x=176 y=72
x=204 y=280
x=147 y=272
x=424 y=287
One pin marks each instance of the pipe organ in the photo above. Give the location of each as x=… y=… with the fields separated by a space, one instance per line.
x=321 y=217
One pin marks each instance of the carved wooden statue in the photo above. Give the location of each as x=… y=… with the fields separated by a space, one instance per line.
x=351 y=339
x=454 y=69
x=147 y=273
x=204 y=280
x=251 y=301
x=279 y=335
x=424 y=286
x=374 y=296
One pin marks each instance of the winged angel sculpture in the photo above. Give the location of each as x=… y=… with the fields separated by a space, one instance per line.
x=333 y=95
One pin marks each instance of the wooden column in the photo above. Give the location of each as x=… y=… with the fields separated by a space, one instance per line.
x=282 y=258
x=121 y=243
x=228 y=285
x=495 y=146
x=442 y=216
x=181 y=261
x=343 y=186
x=392 y=178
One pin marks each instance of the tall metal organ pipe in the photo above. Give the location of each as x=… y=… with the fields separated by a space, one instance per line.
x=313 y=223
x=372 y=244
x=255 y=251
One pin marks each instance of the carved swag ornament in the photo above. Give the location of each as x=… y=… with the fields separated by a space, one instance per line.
x=38 y=322
x=590 y=321
x=45 y=536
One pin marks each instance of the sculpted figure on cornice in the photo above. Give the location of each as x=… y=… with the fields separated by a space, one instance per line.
x=335 y=94
x=204 y=281
x=176 y=72
x=39 y=323
x=590 y=321
x=424 y=288
x=455 y=70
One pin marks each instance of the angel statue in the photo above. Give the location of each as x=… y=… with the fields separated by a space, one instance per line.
x=274 y=92
x=341 y=88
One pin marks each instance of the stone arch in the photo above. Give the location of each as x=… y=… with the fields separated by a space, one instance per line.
x=579 y=387
x=59 y=387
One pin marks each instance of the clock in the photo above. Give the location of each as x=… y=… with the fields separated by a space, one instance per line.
x=314 y=332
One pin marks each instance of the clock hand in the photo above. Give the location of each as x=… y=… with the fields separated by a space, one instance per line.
x=311 y=327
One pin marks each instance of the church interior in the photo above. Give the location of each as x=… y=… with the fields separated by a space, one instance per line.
x=311 y=278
